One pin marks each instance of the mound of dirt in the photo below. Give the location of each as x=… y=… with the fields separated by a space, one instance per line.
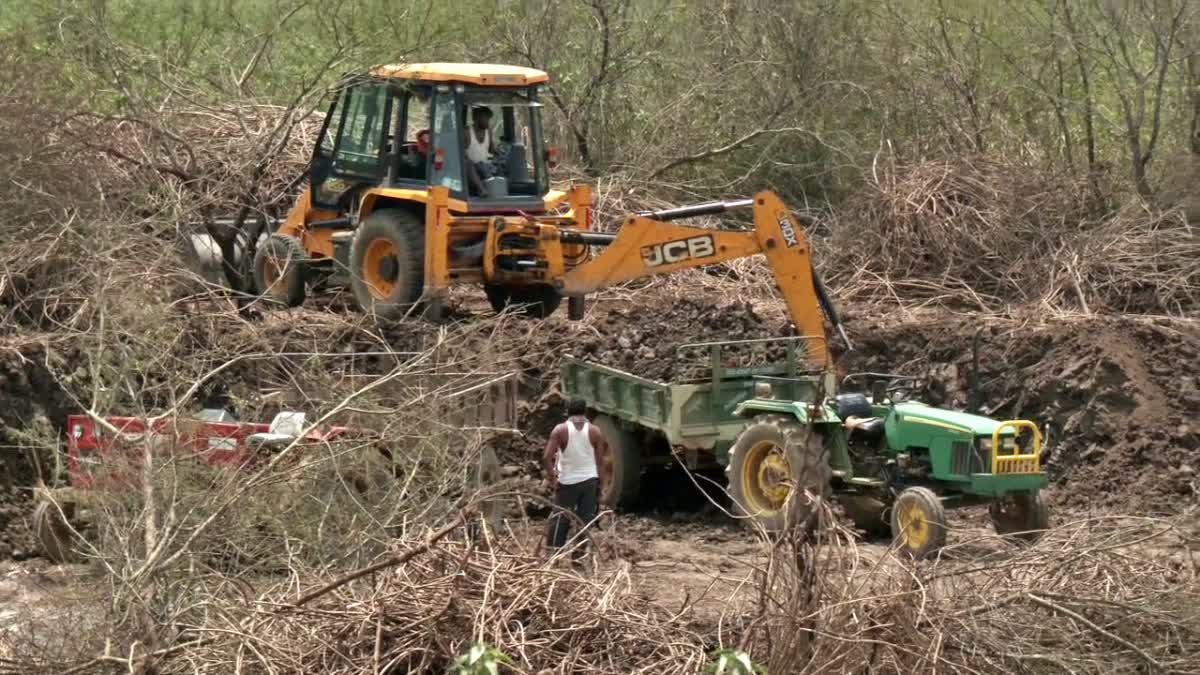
x=1116 y=395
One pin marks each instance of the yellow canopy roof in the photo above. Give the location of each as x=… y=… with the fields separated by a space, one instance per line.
x=474 y=73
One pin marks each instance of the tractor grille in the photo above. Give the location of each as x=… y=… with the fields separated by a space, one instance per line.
x=1018 y=464
x=965 y=459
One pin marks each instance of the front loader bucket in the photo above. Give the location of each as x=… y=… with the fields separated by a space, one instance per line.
x=204 y=258
x=202 y=253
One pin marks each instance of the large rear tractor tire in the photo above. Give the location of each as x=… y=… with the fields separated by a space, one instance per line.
x=279 y=270
x=773 y=457
x=536 y=301
x=387 y=262
x=918 y=522
x=1020 y=517
x=621 y=468
x=52 y=532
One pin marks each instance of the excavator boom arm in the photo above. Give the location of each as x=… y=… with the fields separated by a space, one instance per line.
x=645 y=246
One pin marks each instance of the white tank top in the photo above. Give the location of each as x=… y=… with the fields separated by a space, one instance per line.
x=477 y=150
x=577 y=461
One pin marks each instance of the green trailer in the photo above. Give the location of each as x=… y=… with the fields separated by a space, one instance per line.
x=759 y=410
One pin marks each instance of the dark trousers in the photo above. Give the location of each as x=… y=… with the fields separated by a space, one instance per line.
x=579 y=498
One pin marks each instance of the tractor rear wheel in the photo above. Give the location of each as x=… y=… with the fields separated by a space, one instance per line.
x=279 y=268
x=1020 y=517
x=772 y=457
x=52 y=532
x=621 y=469
x=918 y=522
x=387 y=262
x=536 y=301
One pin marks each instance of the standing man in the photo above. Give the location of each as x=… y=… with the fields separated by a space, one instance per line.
x=572 y=460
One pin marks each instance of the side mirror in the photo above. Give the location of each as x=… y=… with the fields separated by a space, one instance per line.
x=878 y=391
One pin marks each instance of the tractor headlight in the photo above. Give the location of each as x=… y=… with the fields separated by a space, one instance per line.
x=1007 y=443
x=763 y=390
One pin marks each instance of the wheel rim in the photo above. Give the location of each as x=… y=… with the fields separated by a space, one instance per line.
x=273 y=271
x=766 y=477
x=381 y=268
x=914 y=525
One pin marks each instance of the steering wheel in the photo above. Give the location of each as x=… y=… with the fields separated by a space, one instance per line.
x=899 y=389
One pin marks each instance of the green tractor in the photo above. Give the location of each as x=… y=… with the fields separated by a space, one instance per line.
x=773 y=428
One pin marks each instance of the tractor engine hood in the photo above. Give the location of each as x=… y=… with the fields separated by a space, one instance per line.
x=912 y=412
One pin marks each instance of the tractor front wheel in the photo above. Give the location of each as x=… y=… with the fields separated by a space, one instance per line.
x=918 y=522
x=536 y=301
x=621 y=465
x=387 y=262
x=279 y=267
x=1020 y=517
x=772 y=457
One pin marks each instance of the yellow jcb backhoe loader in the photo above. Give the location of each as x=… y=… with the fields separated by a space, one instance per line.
x=427 y=175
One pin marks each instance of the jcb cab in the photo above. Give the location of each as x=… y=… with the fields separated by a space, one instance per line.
x=396 y=207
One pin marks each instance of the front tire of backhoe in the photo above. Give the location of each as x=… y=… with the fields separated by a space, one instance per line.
x=536 y=301
x=279 y=269
x=387 y=263
x=621 y=473
x=774 y=457
x=1022 y=518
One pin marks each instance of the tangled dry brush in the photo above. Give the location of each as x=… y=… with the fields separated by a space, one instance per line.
x=985 y=234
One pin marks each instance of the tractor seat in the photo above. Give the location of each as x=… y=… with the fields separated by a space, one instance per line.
x=285 y=427
x=852 y=405
x=863 y=429
x=857 y=417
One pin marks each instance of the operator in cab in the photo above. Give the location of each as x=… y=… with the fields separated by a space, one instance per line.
x=480 y=147
x=572 y=460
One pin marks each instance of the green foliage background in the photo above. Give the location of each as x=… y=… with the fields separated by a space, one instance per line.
x=835 y=85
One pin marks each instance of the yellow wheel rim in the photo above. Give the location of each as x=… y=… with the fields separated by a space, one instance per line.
x=914 y=525
x=766 y=478
x=380 y=268
x=273 y=271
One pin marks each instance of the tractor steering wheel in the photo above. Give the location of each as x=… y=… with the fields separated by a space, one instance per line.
x=899 y=390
